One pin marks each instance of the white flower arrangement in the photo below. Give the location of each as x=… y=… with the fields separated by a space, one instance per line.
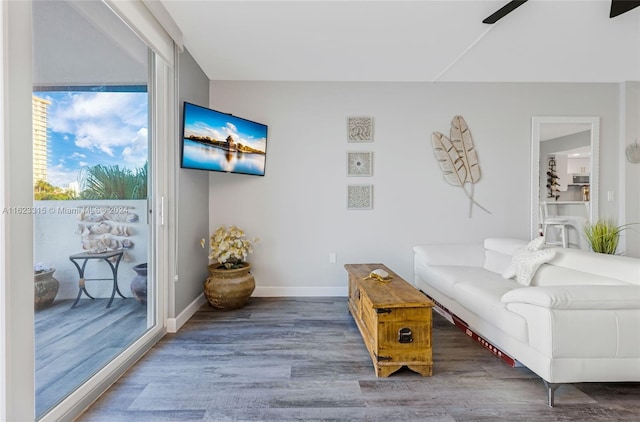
x=229 y=247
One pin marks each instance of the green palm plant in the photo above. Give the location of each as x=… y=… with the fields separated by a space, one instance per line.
x=113 y=182
x=43 y=190
x=603 y=235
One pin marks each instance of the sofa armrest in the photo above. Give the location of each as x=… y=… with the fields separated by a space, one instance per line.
x=577 y=297
x=463 y=254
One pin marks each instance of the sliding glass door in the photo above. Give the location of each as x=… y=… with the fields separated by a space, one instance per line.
x=94 y=284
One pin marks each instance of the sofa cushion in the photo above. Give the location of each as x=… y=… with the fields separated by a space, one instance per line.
x=499 y=251
x=553 y=275
x=621 y=268
x=577 y=297
x=445 y=277
x=506 y=246
x=483 y=298
x=496 y=262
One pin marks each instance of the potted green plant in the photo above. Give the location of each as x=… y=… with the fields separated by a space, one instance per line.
x=603 y=235
x=230 y=283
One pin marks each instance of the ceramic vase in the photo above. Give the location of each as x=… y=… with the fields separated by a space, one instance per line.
x=45 y=288
x=139 y=283
x=229 y=289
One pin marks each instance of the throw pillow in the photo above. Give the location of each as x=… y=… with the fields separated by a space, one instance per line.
x=536 y=244
x=528 y=263
x=512 y=269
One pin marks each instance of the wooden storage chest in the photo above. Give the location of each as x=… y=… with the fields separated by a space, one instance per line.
x=394 y=319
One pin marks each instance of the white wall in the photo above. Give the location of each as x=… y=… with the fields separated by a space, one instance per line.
x=630 y=172
x=192 y=198
x=58 y=234
x=299 y=208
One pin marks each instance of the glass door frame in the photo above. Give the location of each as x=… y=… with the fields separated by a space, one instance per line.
x=18 y=401
x=17 y=248
x=86 y=394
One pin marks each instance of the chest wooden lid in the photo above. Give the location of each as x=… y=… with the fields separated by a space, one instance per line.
x=395 y=293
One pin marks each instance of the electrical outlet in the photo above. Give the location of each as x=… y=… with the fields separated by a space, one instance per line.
x=333 y=258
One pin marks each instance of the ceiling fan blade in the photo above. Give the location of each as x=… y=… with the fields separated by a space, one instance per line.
x=619 y=7
x=505 y=10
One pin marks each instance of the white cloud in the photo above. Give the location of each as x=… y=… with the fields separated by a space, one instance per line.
x=136 y=152
x=59 y=175
x=106 y=121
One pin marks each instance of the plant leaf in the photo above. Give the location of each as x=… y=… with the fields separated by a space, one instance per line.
x=463 y=142
x=113 y=182
x=604 y=234
x=452 y=166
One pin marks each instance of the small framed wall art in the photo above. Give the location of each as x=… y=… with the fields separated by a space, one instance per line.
x=360 y=129
x=359 y=197
x=359 y=163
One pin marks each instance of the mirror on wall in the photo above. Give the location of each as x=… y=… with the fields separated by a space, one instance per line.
x=564 y=175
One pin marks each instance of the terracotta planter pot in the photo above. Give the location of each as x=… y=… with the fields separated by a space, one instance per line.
x=45 y=288
x=139 y=283
x=229 y=289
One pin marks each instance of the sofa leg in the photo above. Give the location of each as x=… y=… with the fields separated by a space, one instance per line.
x=551 y=388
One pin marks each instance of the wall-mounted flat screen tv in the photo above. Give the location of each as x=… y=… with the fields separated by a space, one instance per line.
x=216 y=141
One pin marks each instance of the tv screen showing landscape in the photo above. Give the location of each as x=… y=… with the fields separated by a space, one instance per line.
x=216 y=141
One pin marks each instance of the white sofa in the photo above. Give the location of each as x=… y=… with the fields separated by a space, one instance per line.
x=577 y=321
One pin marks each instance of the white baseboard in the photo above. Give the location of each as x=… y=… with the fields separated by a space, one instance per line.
x=174 y=324
x=290 y=291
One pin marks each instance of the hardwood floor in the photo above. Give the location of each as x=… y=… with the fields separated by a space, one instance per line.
x=302 y=359
x=72 y=344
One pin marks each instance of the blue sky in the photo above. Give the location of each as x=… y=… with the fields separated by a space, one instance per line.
x=204 y=122
x=89 y=128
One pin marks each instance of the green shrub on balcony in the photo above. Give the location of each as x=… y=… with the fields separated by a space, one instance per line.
x=113 y=182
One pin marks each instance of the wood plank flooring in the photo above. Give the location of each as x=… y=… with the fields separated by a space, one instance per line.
x=302 y=359
x=73 y=344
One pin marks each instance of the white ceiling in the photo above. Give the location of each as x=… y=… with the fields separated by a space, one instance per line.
x=542 y=41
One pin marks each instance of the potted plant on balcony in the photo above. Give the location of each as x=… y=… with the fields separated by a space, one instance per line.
x=230 y=283
x=45 y=286
x=139 y=283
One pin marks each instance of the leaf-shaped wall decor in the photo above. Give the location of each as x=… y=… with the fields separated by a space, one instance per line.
x=458 y=158
x=453 y=167
x=463 y=142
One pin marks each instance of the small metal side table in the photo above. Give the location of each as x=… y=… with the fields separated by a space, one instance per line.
x=85 y=257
